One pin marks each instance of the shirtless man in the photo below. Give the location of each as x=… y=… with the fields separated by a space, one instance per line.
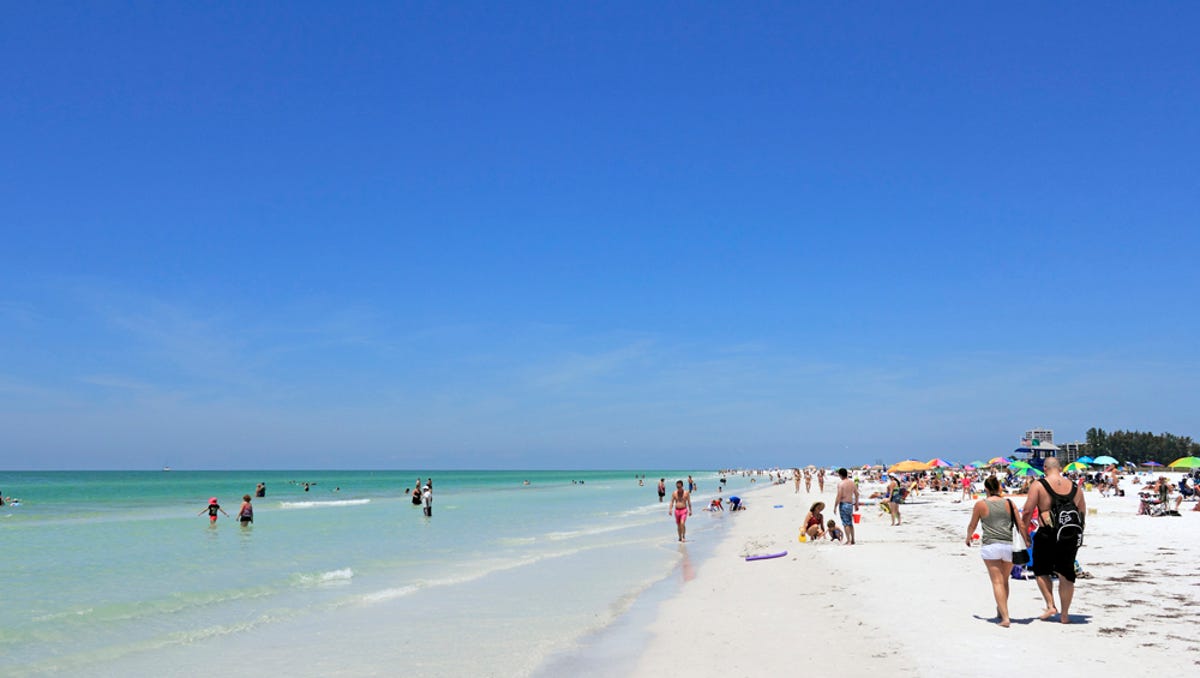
x=662 y=489
x=846 y=502
x=681 y=506
x=1049 y=554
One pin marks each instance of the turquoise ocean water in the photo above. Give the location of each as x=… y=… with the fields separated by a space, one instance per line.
x=113 y=573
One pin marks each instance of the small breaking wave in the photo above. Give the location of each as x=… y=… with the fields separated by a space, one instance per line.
x=322 y=504
x=321 y=578
x=591 y=532
x=389 y=594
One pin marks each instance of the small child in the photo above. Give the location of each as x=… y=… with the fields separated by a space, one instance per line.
x=835 y=532
x=212 y=509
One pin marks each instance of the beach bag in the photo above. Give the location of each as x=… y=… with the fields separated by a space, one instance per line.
x=1020 y=556
x=1065 y=520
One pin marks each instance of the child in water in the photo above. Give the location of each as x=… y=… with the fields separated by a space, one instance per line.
x=212 y=509
x=835 y=532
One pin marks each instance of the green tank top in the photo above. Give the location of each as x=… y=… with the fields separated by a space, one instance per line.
x=997 y=524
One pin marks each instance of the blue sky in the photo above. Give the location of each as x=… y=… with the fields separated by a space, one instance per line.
x=397 y=235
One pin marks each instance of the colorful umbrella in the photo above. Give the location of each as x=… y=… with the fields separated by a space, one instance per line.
x=1151 y=463
x=909 y=465
x=977 y=463
x=1027 y=471
x=938 y=462
x=1185 y=462
x=1105 y=460
x=998 y=461
x=1084 y=460
x=1019 y=464
x=1076 y=466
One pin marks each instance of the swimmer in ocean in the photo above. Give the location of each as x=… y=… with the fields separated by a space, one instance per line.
x=212 y=509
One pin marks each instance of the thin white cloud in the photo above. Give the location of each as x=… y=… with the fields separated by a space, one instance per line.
x=581 y=368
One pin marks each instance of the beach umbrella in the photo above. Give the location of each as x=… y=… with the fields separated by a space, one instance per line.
x=1105 y=460
x=977 y=464
x=1185 y=462
x=909 y=465
x=1151 y=463
x=938 y=462
x=1019 y=464
x=1085 y=460
x=998 y=461
x=1076 y=466
x=1027 y=471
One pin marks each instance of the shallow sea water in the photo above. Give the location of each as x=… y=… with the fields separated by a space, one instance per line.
x=115 y=574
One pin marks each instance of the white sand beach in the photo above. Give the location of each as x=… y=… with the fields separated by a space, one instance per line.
x=914 y=600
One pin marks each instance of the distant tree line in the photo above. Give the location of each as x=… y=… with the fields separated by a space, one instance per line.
x=1140 y=446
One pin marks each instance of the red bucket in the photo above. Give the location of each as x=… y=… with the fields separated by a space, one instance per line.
x=857 y=518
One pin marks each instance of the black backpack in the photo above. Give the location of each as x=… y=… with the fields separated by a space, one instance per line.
x=1065 y=521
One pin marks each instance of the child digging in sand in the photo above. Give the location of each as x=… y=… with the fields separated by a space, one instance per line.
x=835 y=532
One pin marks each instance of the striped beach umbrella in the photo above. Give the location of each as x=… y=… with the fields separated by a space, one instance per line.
x=1185 y=462
x=1075 y=466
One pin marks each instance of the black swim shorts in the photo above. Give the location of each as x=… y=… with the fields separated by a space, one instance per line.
x=1050 y=555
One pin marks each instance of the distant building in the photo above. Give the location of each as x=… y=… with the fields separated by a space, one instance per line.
x=1070 y=452
x=1036 y=446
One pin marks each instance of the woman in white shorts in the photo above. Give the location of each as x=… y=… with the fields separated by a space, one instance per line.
x=996 y=515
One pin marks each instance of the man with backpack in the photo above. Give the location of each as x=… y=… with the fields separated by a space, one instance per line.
x=1061 y=509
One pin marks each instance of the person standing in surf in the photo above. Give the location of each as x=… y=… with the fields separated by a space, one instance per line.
x=681 y=507
x=662 y=489
x=212 y=509
x=246 y=513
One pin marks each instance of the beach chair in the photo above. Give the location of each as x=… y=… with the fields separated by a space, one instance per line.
x=1188 y=491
